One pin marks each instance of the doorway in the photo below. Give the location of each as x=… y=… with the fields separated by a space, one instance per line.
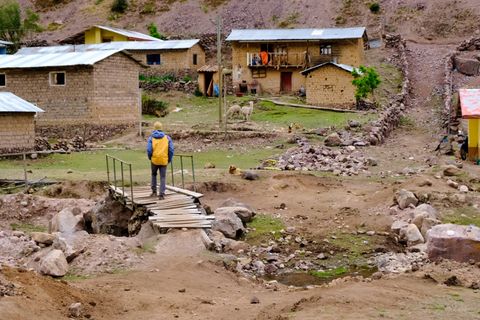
x=208 y=84
x=286 y=82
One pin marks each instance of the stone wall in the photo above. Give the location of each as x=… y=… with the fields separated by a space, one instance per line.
x=17 y=132
x=330 y=86
x=390 y=117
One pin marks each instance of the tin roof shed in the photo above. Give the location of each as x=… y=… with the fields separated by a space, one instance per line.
x=12 y=103
x=252 y=35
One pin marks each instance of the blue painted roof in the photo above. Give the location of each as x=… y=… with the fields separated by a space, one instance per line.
x=296 y=34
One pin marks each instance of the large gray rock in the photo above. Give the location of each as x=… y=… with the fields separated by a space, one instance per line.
x=455 y=242
x=398 y=225
x=451 y=170
x=405 y=198
x=42 y=237
x=69 y=220
x=243 y=213
x=72 y=245
x=231 y=202
x=54 y=264
x=411 y=235
x=425 y=208
x=470 y=67
x=333 y=140
x=427 y=224
x=228 y=223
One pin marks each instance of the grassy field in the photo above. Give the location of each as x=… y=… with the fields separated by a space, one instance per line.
x=92 y=165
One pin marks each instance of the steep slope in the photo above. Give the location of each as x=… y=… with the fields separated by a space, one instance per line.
x=419 y=20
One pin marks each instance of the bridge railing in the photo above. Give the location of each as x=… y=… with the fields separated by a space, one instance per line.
x=183 y=159
x=116 y=169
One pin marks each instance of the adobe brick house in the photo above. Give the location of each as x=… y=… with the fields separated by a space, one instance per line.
x=105 y=34
x=17 y=124
x=77 y=89
x=330 y=84
x=170 y=56
x=275 y=57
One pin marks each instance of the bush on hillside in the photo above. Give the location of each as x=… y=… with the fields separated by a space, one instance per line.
x=153 y=106
x=374 y=7
x=119 y=6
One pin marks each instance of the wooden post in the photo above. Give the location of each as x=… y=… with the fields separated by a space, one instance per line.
x=220 y=69
x=25 y=171
x=140 y=107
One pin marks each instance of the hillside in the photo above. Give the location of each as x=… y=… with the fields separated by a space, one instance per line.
x=416 y=20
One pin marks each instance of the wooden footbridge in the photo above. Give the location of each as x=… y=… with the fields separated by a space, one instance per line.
x=181 y=208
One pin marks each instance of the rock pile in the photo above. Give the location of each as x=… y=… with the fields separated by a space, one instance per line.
x=231 y=218
x=67 y=145
x=183 y=86
x=341 y=161
x=90 y=132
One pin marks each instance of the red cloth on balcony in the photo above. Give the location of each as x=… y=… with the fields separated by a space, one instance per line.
x=264 y=56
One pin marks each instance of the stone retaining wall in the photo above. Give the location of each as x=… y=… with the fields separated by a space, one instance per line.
x=89 y=132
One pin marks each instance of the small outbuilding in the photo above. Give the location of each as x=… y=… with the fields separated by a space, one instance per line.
x=208 y=76
x=76 y=89
x=17 y=124
x=330 y=84
x=470 y=106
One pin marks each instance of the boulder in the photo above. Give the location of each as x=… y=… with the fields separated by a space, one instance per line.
x=249 y=175
x=451 y=170
x=427 y=224
x=72 y=245
x=243 y=213
x=405 y=198
x=463 y=188
x=231 y=202
x=54 y=264
x=75 y=310
x=455 y=242
x=411 y=235
x=333 y=140
x=469 y=67
x=425 y=208
x=68 y=220
x=42 y=237
x=398 y=225
x=228 y=223
x=147 y=233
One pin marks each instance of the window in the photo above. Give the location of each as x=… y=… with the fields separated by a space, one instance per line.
x=3 y=80
x=58 y=78
x=194 y=59
x=326 y=49
x=153 y=59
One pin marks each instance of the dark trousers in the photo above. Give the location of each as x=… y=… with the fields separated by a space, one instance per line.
x=163 y=174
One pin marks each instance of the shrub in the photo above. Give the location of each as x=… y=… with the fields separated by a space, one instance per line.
x=119 y=6
x=152 y=29
x=374 y=7
x=366 y=80
x=153 y=106
x=197 y=92
x=187 y=78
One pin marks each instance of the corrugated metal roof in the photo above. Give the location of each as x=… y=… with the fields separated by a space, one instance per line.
x=130 y=34
x=54 y=59
x=119 y=45
x=5 y=43
x=345 y=67
x=295 y=34
x=12 y=103
x=470 y=103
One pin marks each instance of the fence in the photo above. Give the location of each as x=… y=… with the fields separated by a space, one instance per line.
x=122 y=164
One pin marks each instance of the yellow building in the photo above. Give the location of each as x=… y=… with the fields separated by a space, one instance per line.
x=102 y=34
x=273 y=58
x=330 y=84
x=470 y=105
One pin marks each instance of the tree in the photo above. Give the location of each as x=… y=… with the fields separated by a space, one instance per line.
x=152 y=29
x=366 y=80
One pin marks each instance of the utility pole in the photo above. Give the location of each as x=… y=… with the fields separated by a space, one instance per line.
x=220 y=69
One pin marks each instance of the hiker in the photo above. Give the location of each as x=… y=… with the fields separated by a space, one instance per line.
x=160 y=153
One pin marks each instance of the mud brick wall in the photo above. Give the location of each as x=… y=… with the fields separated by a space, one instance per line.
x=62 y=104
x=17 y=132
x=173 y=60
x=115 y=94
x=350 y=52
x=330 y=86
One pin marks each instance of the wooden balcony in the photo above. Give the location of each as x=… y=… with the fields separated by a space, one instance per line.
x=288 y=60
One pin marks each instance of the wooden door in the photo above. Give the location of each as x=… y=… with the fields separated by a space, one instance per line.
x=285 y=81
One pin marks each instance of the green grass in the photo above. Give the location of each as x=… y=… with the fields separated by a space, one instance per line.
x=92 y=165
x=28 y=228
x=327 y=274
x=463 y=216
x=283 y=116
x=264 y=227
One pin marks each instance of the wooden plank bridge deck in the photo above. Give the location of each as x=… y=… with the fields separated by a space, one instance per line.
x=180 y=209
